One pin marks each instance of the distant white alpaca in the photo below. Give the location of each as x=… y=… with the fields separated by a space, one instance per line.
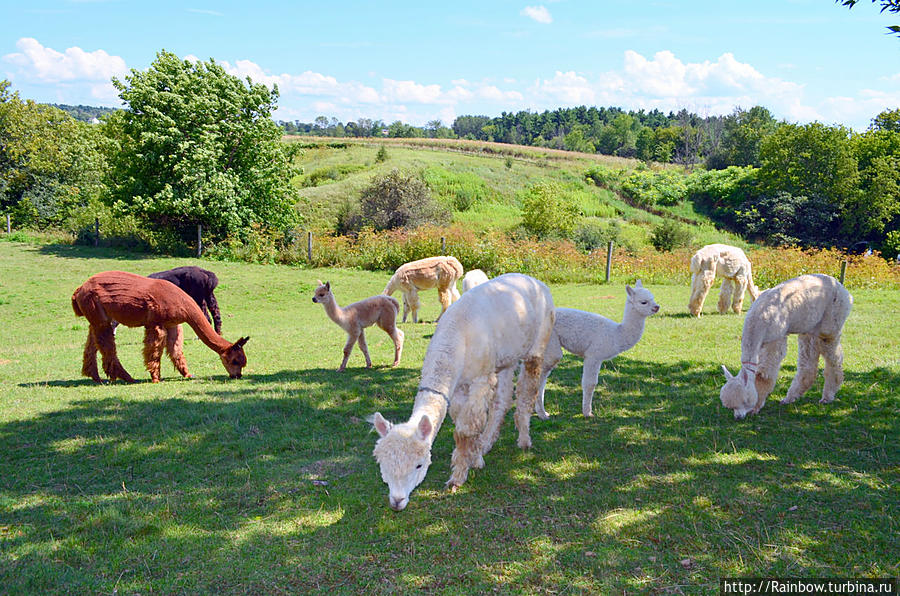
x=812 y=306
x=354 y=318
x=468 y=371
x=732 y=265
x=433 y=272
x=595 y=338
x=473 y=278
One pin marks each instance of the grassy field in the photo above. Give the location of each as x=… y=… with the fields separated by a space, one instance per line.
x=267 y=485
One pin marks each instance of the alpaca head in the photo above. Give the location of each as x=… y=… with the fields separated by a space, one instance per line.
x=323 y=292
x=641 y=299
x=234 y=358
x=404 y=453
x=739 y=392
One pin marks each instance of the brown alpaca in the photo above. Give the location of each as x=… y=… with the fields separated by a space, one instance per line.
x=424 y=274
x=354 y=318
x=155 y=304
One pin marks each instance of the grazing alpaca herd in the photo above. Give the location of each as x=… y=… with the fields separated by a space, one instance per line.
x=497 y=328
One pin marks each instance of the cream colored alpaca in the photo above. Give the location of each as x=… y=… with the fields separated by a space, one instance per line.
x=595 y=338
x=433 y=272
x=812 y=306
x=468 y=371
x=473 y=278
x=732 y=265
x=354 y=318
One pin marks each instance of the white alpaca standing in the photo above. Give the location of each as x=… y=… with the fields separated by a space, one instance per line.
x=468 y=371
x=473 y=278
x=812 y=306
x=732 y=265
x=432 y=272
x=354 y=318
x=595 y=338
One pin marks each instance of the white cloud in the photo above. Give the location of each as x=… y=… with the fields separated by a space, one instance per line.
x=538 y=13
x=38 y=63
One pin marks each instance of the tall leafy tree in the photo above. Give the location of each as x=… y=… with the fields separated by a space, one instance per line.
x=886 y=6
x=198 y=145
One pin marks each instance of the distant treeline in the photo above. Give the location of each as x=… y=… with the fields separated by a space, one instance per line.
x=83 y=113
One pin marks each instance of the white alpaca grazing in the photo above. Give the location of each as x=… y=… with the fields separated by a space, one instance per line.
x=732 y=265
x=354 y=318
x=812 y=306
x=468 y=371
x=473 y=278
x=595 y=338
x=433 y=272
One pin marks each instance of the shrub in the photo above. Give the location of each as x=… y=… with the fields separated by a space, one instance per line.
x=397 y=200
x=548 y=211
x=382 y=155
x=890 y=247
x=590 y=235
x=647 y=188
x=670 y=235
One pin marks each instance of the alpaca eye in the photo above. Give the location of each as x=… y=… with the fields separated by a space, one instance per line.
x=419 y=466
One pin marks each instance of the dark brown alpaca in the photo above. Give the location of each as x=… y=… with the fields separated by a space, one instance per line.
x=155 y=304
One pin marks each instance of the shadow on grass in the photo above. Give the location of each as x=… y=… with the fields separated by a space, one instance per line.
x=75 y=251
x=270 y=482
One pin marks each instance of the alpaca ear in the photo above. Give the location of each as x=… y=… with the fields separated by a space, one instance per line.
x=638 y=284
x=629 y=291
x=423 y=431
x=744 y=377
x=382 y=426
x=728 y=375
x=240 y=343
x=328 y=285
x=319 y=281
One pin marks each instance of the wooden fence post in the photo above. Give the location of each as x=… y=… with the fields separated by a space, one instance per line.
x=199 y=240
x=8 y=229
x=96 y=231
x=443 y=246
x=309 y=247
x=843 y=271
x=608 y=259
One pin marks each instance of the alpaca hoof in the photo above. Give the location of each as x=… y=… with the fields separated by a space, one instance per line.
x=525 y=443
x=543 y=415
x=588 y=414
x=827 y=400
x=453 y=487
x=340 y=369
x=478 y=463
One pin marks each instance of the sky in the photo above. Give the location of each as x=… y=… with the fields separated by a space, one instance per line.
x=419 y=61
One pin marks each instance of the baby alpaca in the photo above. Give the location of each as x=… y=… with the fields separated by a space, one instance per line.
x=812 y=306
x=354 y=318
x=468 y=372
x=433 y=272
x=473 y=278
x=595 y=338
x=732 y=265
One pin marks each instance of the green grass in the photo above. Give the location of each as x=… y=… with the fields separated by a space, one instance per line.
x=217 y=485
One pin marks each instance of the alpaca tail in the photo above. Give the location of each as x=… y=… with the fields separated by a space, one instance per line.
x=75 y=306
x=391 y=286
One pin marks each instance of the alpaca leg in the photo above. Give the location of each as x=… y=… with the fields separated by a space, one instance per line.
x=497 y=412
x=446 y=299
x=154 y=342
x=526 y=395
x=725 y=295
x=834 y=368
x=397 y=335
x=213 y=305
x=737 y=300
x=551 y=358
x=589 y=373
x=89 y=361
x=348 y=347
x=807 y=367
x=700 y=284
x=175 y=349
x=454 y=293
x=470 y=425
x=413 y=298
x=405 y=305
x=364 y=348
x=106 y=343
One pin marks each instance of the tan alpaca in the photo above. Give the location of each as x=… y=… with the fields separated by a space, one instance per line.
x=354 y=318
x=155 y=304
x=433 y=272
x=732 y=265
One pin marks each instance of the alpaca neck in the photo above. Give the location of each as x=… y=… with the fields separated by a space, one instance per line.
x=753 y=337
x=204 y=330
x=630 y=330
x=334 y=312
x=430 y=402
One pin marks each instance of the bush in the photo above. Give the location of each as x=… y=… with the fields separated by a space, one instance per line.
x=647 y=188
x=591 y=235
x=382 y=155
x=548 y=211
x=890 y=248
x=395 y=200
x=670 y=235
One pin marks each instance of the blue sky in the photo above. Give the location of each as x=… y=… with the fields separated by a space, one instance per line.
x=805 y=60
